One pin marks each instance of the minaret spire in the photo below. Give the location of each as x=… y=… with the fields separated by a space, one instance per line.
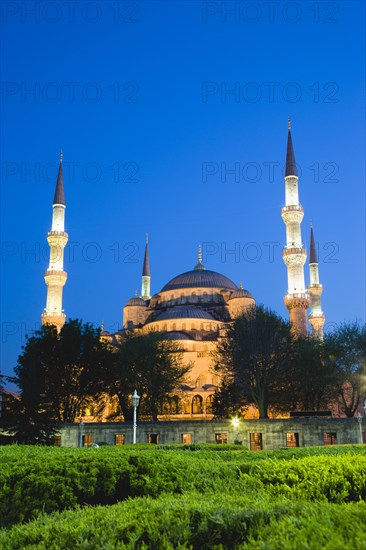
x=294 y=254
x=316 y=317
x=146 y=278
x=55 y=276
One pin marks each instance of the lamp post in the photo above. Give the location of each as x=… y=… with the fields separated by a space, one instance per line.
x=135 y=404
x=81 y=427
x=236 y=426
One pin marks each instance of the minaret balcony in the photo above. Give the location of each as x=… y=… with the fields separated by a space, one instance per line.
x=55 y=277
x=292 y=214
x=57 y=238
x=294 y=255
x=298 y=300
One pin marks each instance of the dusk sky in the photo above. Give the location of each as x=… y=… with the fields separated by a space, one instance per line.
x=172 y=117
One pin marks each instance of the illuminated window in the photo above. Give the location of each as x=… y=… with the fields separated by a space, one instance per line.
x=209 y=401
x=221 y=438
x=87 y=440
x=58 y=440
x=174 y=405
x=119 y=439
x=187 y=438
x=152 y=438
x=330 y=438
x=292 y=439
x=197 y=405
x=256 y=441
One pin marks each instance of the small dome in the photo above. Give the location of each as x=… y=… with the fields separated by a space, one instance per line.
x=136 y=301
x=241 y=293
x=178 y=335
x=184 y=313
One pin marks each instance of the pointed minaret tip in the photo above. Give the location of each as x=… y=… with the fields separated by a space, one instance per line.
x=291 y=169
x=241 y=285
x=146 y=266
x=313 y=256
x=59 y=197
x=147 y=238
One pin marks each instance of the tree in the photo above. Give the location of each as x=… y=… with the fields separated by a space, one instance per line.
x=150 y=363
x=254 y=357
x=314 y=378
x=58 y=374
x=346 y=350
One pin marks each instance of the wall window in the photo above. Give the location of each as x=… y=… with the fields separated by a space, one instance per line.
x=197 y=405
x=119 y=439
x=174 y=405
x=256 y=441
x=187 y=438
x=87 y=440
x=292 y=439
x=153 y=438
x=221 y=438
x=330 y=438
x=209 y=404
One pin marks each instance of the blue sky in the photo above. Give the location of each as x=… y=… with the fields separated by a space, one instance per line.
x=153 y=104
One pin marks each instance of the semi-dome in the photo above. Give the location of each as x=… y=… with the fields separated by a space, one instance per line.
x=136 y=301
x=241 y=293
x=203 y=278
x=184 y=313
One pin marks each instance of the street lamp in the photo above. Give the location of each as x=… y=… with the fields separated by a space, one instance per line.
x=135 y=404
x=81 y=427
x=236 y=426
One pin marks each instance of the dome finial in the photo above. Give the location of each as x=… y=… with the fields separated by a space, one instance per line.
x=241 y=285
x=200 y=264
x=102 y=326
x=289 y=123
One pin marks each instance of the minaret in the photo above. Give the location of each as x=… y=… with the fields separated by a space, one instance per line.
x=145 y=288
x=55 y=276
x=294 y=254
x=316 y=317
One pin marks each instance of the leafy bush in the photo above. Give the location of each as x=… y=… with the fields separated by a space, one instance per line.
x=196 y=521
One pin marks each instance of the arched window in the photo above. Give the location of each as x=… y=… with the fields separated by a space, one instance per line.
x=174 y=405
x=174 y=326
x=209 y=404
x=183 y=326
x=197 y=405
x=187 y=406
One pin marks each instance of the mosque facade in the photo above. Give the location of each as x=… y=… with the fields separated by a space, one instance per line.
x=195 y=307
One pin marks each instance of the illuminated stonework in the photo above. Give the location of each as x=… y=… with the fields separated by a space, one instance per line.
x=194 y=309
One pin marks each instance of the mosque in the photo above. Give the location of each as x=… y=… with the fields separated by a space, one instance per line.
x=195 y=307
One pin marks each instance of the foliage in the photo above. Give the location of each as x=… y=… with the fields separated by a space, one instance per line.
x=254 y=358
x=346 y=351
x=290 y=499
x=314 y=379
x=35 y=480
x=150 y=363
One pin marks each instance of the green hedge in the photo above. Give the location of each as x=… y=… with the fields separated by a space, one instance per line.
x=199 y=522
x=42 y=480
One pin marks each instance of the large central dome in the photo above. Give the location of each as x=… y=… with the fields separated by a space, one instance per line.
x=200 y=278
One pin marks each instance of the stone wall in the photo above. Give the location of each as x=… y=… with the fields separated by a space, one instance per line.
x=253 y=434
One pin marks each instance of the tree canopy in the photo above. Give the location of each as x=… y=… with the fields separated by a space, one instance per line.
x=150 y=363
x=58 y=374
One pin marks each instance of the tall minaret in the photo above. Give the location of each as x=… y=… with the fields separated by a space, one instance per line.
x=294 y=254
x=55 y=276
x=316 y=317
x=145 y=288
